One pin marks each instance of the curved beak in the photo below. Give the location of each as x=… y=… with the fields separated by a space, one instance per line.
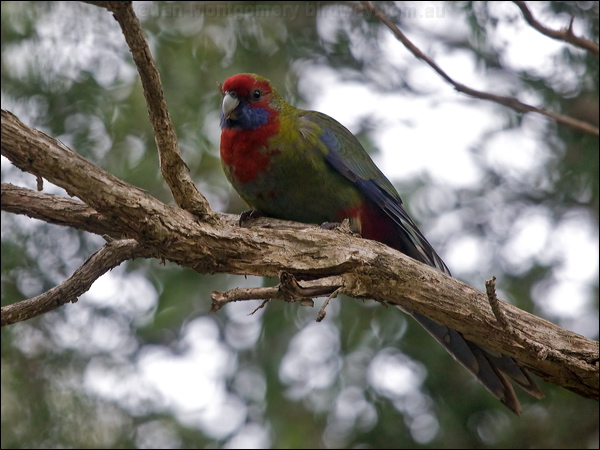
x=230 y=102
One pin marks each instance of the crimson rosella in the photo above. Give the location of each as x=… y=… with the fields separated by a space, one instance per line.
x=305 y=166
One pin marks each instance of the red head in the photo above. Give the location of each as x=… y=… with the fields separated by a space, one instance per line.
x=249 y=102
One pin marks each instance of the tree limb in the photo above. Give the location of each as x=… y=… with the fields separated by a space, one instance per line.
x=308 y=290
x=362 y=268
x=126 y=206
x=173 y=168
x=288 y=290
x=108 y=257
x=511 y=102
x=566 y=34
x=56 y=210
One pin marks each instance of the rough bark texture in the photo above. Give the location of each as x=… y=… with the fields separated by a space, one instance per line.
x=215 y=243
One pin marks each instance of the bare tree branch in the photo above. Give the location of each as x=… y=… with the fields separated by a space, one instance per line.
x=511 y=102
x=109 y=256
x=215 y=244
x=362 y=268
x=308 y=290
x=173 y=168
x=56 y=210
x=288 y=290
x=566 y=34
x=117 y=200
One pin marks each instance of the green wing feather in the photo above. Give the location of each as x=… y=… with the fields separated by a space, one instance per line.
x=346 y=155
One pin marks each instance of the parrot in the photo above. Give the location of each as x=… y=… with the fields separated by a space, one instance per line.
x=304 y=166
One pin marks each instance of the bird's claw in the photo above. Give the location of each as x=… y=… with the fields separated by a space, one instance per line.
x=248 y=214
x=330 y=225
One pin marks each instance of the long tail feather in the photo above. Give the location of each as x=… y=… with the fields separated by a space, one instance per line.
x=491 y=368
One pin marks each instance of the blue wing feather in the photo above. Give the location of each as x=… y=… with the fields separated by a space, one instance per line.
x=359 y=168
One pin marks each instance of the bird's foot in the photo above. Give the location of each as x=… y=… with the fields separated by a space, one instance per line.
x=249 y=214
x=330 y=225
x=350 y=226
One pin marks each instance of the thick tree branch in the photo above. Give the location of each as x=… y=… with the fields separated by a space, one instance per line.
x=363 y=268
x=105 y=259
x=126 y=206
x=566 y=34
x=511 y=102
x=173 y=168
x=56 y=210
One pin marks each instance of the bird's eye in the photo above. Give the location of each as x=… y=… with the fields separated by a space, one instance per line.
x=256 y=94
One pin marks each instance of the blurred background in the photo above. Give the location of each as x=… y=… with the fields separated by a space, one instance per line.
x=139 y=363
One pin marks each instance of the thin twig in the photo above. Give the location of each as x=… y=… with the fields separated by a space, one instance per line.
x=322 y=313
x=289 y=290
x=541 y=351
x=220 y=299
x=261 y=306
x=490 y=290
x=511 y=102
x=566 y=34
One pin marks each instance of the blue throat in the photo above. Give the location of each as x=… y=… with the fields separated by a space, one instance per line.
x=247 y=118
